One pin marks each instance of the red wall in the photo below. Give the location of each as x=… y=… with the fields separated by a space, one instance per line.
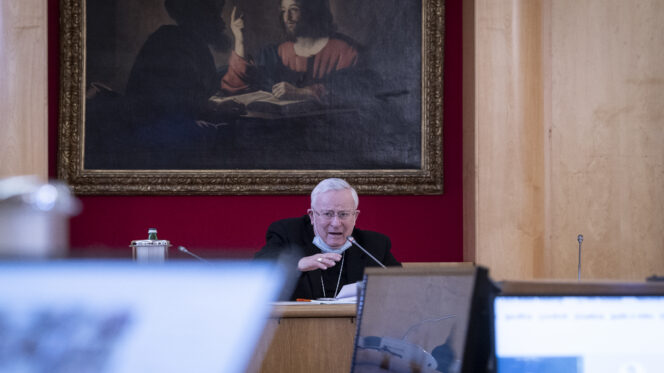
x=422 y=228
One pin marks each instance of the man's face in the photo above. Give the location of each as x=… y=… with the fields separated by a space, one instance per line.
x=210 y=25
x=216 y=33
x=335 y=230
x=291 y=15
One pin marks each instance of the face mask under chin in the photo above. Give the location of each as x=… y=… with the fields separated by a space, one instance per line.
x=324 y=247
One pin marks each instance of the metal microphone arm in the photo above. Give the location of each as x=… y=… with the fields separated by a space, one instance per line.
x=353 y=241
x=580 y=239
x=184 y=250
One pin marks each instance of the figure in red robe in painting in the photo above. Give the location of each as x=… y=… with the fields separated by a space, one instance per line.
x=314 y=63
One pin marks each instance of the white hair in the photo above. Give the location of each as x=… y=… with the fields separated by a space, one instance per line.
x=333 y=184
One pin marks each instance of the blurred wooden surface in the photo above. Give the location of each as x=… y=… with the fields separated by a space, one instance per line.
x=436 y=264
x=307 y=338
x=563 y=136
x=23 y=88
x=563 y=287
x=606 y=130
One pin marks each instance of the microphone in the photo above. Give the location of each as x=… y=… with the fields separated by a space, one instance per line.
x=184 y=250
x=580 y=239
x=353 y=241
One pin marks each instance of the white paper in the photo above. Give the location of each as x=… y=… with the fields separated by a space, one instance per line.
x=348 y=291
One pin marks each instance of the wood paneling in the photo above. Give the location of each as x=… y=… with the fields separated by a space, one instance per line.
x=23 y=95
x=607 y=138
x=307 y=338
x=568 y=133
x=509 y=139
x=469 y=155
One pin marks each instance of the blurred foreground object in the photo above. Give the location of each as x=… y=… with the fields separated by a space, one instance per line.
x=34 y=217
x=110 y=316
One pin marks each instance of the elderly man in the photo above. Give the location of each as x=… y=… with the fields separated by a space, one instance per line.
x=329 y=259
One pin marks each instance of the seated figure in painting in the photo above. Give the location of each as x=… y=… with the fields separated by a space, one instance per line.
x=174 y=73
x=173 y=117
x=314 y=63
x=344 y=105
x=165 y=108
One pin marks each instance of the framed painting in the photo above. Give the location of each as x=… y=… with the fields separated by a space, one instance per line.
x=251 y=96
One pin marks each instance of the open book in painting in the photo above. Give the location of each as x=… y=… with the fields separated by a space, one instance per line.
x=266 y=102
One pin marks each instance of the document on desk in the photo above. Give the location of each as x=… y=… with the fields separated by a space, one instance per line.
x=347 y=294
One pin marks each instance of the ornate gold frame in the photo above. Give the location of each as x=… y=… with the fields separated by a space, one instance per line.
x=426 y=180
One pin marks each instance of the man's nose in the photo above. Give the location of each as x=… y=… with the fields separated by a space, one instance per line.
x=335 y=220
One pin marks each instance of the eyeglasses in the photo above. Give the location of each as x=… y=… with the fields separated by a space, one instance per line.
x=329 y=215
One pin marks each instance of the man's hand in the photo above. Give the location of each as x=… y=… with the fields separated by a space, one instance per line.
x=287 y=91
x=220 y=112
x=237 y=28
x=318 y=261
x=228 y=107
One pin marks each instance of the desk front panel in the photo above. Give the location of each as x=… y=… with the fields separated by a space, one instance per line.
x=307 y=338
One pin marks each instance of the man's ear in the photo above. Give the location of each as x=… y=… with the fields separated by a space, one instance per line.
x=310 y=212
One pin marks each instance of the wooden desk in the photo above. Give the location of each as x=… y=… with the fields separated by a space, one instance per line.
x=306 y=338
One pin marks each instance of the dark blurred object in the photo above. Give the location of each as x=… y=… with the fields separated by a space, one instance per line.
x=655 y=278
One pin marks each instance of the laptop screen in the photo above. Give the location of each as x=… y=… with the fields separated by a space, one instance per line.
x=422 y=320
x=120 y=316
x=579 y=333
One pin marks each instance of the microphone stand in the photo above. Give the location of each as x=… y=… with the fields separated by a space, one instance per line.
x=353 y=241
x=580 y=239
x=184 y=250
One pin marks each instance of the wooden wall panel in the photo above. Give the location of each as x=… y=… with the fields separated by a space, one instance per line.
x=509 y=139
x=23 y=95
x=607 y=128
x=568 y=135
x=469 y=155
